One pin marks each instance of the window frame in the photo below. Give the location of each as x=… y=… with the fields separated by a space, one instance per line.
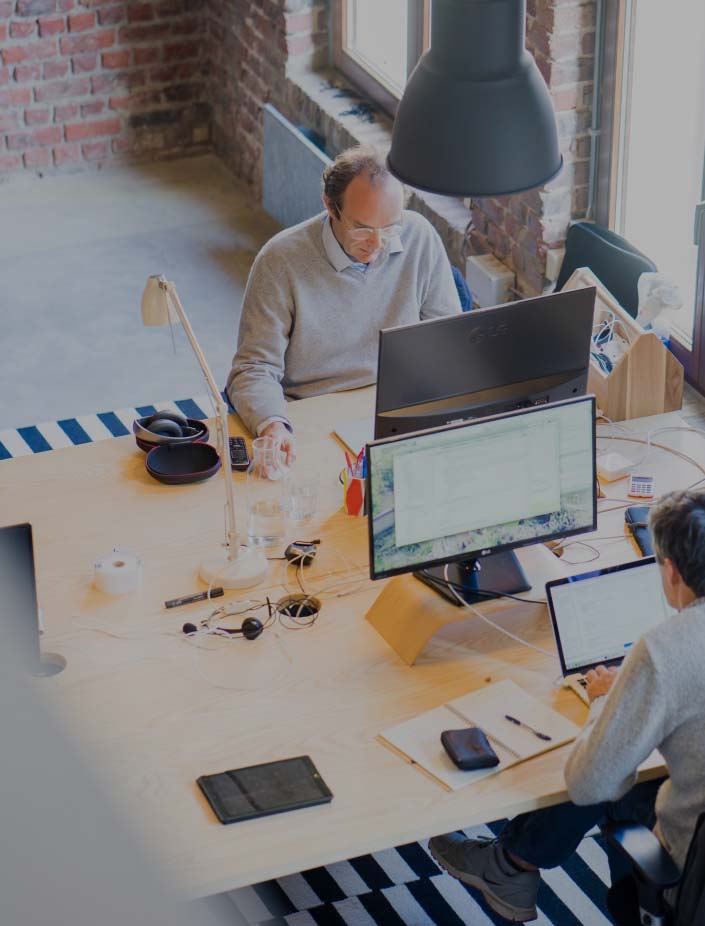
x=375 y=89
x=616 y=43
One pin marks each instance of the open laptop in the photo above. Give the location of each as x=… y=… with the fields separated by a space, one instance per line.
x=597 y=616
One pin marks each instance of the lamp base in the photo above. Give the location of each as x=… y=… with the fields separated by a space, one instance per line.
x=248 y=567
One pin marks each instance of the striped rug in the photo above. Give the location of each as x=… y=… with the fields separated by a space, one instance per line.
x=397 y=887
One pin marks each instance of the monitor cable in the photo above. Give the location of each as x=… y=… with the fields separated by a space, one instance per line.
x=507 y=633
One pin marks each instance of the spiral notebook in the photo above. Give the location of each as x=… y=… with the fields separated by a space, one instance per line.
x=419 y=740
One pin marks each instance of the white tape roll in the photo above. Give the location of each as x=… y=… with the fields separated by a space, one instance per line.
x=118 y=572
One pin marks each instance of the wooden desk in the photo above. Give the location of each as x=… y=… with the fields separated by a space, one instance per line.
x=155 y=712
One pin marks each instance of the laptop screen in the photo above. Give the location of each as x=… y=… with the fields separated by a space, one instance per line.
x=597 y=616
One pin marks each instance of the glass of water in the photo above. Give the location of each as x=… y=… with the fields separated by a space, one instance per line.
x=265 y=494
x=301 y=494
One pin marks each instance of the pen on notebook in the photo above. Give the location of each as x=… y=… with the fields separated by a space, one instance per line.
x=520 y=723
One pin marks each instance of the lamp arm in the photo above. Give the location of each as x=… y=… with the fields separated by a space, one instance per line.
x=221 y=419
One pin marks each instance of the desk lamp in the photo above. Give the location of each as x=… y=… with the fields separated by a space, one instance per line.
x=476 y=117
x=232 y=566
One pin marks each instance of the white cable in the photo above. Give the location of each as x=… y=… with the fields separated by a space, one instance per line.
x=479 y=614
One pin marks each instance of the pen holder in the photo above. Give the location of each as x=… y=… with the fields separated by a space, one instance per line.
x=353 y=494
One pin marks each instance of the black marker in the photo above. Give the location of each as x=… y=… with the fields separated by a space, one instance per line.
x=199 y=596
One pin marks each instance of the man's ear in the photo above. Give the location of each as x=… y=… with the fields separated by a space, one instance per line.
x=330 y=207
x=672 y=573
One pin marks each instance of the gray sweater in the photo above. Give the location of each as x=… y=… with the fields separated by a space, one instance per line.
x=657 y=701
x=307 y=328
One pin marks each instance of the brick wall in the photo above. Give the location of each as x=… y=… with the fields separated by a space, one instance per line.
x=520 y=229
x=252 y=46
x=89 y=81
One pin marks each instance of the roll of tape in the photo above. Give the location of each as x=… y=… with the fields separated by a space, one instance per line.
x=118 y=572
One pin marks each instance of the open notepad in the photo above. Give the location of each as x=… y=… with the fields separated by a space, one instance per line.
x=419 y=740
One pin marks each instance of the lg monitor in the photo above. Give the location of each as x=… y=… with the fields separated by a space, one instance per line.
x=484 y=362
x=451 y=504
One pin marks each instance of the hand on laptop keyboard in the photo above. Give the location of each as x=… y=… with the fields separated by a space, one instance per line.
x=599 y=681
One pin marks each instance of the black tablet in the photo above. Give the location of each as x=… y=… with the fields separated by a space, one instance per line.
x=261 y=790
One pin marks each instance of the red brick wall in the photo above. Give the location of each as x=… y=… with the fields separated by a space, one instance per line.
x=519 y=230
x=85 y=81
x=252 y=45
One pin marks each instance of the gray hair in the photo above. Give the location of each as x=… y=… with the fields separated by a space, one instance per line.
x=677 y=523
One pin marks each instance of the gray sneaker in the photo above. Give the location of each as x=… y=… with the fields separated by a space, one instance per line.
x=481 y=863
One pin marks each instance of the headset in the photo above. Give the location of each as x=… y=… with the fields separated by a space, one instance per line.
x=168 y=424
x=250 y=629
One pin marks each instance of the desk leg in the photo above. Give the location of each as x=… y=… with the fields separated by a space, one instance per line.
x=408 y=613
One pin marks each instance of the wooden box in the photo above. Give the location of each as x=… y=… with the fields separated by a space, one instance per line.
x=646 y=379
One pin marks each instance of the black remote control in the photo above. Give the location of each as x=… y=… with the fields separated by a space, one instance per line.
x=239 y=457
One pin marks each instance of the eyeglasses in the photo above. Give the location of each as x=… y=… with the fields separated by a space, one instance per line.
x=363 y=232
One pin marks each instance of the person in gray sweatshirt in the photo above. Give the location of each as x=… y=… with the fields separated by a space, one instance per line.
x=655 y=700
x=319 y=293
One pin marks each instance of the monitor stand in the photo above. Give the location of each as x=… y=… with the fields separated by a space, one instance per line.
x=477 y=579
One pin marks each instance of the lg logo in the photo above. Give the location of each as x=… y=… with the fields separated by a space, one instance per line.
x=478 y=335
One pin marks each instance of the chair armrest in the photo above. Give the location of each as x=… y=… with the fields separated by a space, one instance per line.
x=648 y=857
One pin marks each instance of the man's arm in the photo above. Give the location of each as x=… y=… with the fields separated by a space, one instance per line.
x=623 y=728
x=254 y=384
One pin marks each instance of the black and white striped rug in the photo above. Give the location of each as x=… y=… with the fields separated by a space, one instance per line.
x=401 y=886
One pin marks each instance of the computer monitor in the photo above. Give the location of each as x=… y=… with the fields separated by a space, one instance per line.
x=18 y=588
x=483 y=362
x=450 y=504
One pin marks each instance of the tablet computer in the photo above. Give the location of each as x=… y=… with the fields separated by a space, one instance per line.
x=261 y=790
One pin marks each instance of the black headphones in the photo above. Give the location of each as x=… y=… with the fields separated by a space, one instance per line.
x=250 y=629
x=168 y=424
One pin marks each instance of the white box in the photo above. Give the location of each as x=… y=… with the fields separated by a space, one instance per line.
x=490 y=282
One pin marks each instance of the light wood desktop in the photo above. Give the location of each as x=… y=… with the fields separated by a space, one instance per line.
x=153 y=711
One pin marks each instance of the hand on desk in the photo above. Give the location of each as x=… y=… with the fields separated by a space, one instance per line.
x=599 y=681
x=283 y=438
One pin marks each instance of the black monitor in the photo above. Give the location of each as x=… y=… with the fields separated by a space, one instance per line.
x=450 y=504
x=19 y=608
x=484 y=362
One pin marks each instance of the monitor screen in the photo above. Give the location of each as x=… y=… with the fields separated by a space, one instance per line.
x=488 y=485
x=19 y=593
x=484 y=362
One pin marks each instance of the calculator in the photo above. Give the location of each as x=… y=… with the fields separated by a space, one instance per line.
x=239 y=457
x=641 y=486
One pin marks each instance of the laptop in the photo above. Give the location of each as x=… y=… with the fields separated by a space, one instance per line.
x=598 y=616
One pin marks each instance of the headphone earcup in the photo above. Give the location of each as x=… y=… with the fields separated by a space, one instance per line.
x=251 y=628
x=177 y=418
x=166 y=427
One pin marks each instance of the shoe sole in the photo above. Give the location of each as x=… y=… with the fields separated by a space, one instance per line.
x=513 y=914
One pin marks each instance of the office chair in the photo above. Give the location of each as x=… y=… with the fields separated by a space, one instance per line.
x=640 y=899
x=464 y=293
x=616 y=262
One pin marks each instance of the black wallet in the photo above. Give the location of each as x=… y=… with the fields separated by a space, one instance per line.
x=469 y=749
x=636 y=517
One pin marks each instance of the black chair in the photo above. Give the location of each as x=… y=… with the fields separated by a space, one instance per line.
x=640 y=899
x=616 y=263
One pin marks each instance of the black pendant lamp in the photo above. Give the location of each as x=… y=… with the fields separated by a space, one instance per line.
x=476 y=117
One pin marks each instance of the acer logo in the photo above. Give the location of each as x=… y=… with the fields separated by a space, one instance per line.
x=478 y=335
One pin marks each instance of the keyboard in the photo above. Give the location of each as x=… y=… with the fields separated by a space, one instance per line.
x=578 y=684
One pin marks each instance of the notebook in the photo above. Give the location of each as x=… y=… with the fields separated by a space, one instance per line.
x=419 y=740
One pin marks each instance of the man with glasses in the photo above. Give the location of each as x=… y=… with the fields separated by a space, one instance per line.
x=319 y=293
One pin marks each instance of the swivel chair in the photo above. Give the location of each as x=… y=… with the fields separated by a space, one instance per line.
x=616 y=262
x=641 y=899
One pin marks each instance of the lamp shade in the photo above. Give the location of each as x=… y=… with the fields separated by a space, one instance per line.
x=476 y=117
x=155 y=306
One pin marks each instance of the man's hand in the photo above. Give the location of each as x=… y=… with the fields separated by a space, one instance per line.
x=599 y=681
x=283 y=438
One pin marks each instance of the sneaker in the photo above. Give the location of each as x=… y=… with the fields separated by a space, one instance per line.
x=481 y=863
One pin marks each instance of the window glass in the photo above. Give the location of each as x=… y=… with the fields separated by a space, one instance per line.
x=376 y=37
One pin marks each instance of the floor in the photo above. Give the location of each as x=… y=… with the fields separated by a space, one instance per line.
x=75 y=252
